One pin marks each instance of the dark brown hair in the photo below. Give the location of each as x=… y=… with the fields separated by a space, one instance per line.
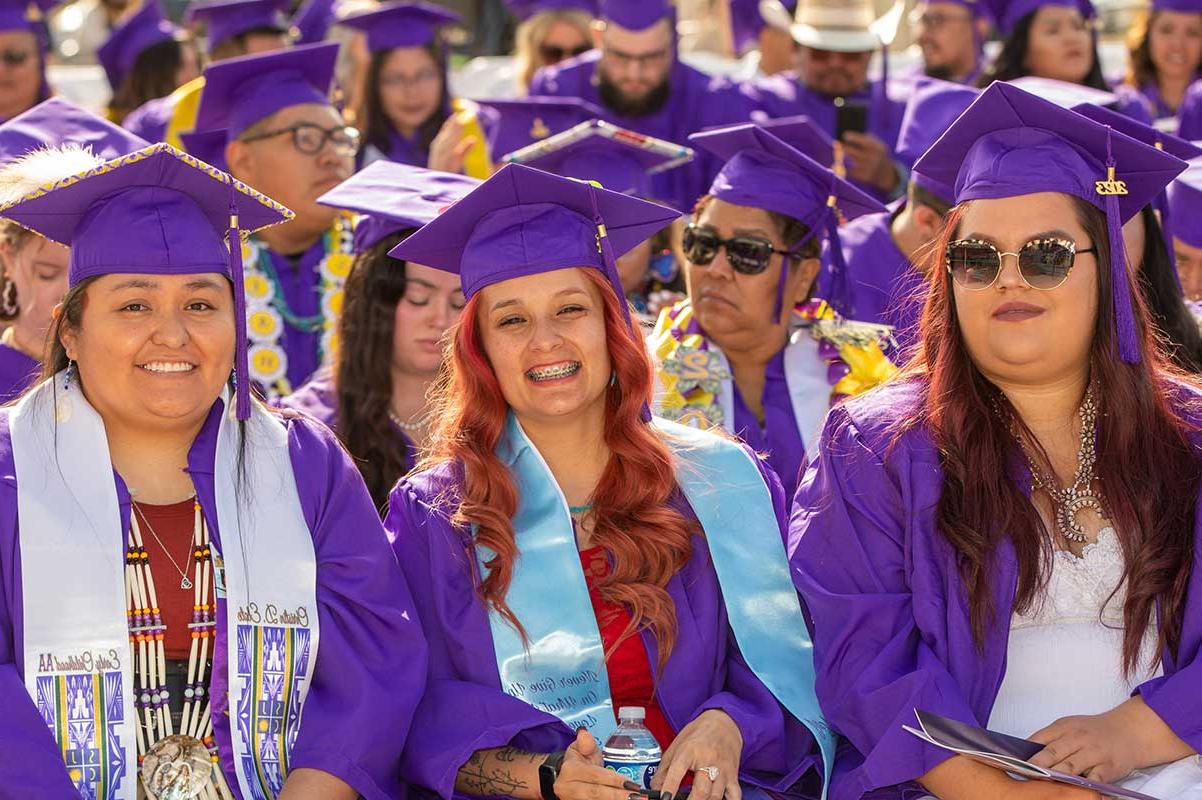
x=370 y=116
x=1146 y=464
x=1140 y=69
x=362 y=377
x=152 y=75
x=71 y=317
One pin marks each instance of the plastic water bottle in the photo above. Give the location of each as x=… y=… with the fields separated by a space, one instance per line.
x=631 y=750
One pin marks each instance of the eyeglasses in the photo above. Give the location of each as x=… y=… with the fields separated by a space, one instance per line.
x=14 y=58
x=639 y=59
x=421 y=78
x=551 y=54
x=748 y=255
x=310 y=139
x=1042 y=263
x=934 y=20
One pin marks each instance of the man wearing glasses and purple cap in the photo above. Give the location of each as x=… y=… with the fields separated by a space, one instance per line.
x=636 y=78
x=271 y=117
x=951 y=35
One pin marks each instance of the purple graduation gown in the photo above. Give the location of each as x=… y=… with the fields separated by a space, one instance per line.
x=696 y=101
x=318 y=399
x=778 y=439
x=17 y=373
x=371 y=660
x=784 y=95
x=1189 y=115
x=892 y=631
x=151 y=119
x=300 y=281
x=886 y=288
x=465 y=710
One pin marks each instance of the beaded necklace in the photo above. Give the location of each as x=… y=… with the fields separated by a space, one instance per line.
x=268 y=311
x=183 y=764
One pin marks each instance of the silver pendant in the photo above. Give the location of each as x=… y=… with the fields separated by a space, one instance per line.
x=1070 y=528
x=177 y=768
x=186 y=583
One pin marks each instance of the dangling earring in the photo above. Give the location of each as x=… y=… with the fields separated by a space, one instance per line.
x=8 y=299
x=70 y=372
x=613 y=378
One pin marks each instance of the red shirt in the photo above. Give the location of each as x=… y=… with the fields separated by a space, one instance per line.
x=175 y=526
x=630 y=680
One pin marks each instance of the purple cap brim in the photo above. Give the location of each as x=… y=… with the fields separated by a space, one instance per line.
x=1007 y=13
x=393 y=25
x=396 y=197
x=226 y=19
x=55 y=123
x=635 y=15
x=524 y=221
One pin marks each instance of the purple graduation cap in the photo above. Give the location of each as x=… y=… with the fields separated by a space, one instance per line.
x=208 y=146
x=616 y=158
x=55 y=122
x=525 y=9
x=155 y=211
x=1010 y=143
x=746 y=22
x=395 y=197
x=146 y=28
x=1063 y=93
x=520 y=123
x=799 y=132
x=523 y=221
x=239 y=92
x=225 y=19
x=1149 y=135
x=636 y=15
x=1185 y=202
x=400 y=24
x=1183 y=6
x=312 y=21
x=761 y=171
x=1007 y=13
x=25 y=15
x=931 y=110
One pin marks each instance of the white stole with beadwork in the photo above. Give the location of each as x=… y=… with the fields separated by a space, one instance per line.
x=77 y=661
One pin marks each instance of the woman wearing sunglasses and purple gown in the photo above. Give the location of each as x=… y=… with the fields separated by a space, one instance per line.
x=1006 y=533
x=737 y=353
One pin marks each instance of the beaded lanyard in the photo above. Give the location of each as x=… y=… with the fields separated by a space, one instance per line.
x=174 y=766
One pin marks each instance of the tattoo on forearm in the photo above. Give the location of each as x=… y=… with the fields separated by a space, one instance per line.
x=498 y=771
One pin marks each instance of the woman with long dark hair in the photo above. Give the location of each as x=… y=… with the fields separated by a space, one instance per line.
x=574 y=556
x=1006 y=534
x=407 y=113
x=1053 y=39
x=144 y=58
x=395 y=316
x=1165 y=54
x=217 y=564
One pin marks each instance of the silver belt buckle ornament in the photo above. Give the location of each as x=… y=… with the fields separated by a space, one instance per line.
x=177 y=768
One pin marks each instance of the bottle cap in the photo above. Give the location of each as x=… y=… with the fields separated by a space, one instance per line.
x=632 y=712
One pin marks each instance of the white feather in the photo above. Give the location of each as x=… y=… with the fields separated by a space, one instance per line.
x=44 y=167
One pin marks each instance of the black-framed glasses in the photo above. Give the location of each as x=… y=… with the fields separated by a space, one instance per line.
x=1042 y=263
x=311 y=139
x=749 y=255
x=553 y=54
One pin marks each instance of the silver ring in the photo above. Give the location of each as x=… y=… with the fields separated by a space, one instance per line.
x=710 y=772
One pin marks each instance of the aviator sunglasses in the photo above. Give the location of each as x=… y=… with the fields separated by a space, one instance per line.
x=749 y=255
x=1042 y=263
x=553 y=54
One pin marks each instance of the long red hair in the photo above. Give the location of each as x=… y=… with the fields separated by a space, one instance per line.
x=1146 y=465
x=645 y=537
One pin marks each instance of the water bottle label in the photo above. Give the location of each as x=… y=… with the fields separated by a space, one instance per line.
x=641 y=772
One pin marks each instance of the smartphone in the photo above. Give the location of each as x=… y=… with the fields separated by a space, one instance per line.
x=850 y=115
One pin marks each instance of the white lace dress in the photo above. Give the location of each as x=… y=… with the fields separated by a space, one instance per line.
x=1065 y=659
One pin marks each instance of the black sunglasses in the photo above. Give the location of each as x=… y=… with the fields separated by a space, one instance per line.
x=311 y=139
x=1042 y=263
x=553 y=55
x=749 y=255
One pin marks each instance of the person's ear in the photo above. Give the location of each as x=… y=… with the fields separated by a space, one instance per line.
x=66 y=334
x=807 y=275
x=927 y=221
x=240 y=158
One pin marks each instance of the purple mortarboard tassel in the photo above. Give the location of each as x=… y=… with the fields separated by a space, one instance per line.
x=241 y=343
x=1124 y=316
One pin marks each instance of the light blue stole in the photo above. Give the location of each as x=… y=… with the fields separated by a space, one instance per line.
x=563 y=670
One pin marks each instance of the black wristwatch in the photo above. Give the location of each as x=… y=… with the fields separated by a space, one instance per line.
x=548 y=772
